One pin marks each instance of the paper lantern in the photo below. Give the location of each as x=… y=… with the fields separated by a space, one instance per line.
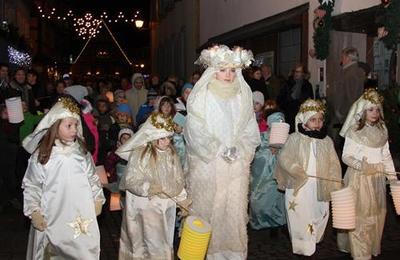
x=343 y=209
x=115 y=201
x=196 y=235
x=279 y=134
x=110 y=96
x=14 y=110
x=101 y=172
x=395 y=190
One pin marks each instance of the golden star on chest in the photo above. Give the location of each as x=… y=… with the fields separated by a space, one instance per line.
x=80 y=226
x=310 y=228
x=292 y=205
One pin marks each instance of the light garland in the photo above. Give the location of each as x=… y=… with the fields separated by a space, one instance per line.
x=19 y=58
x=87 y=27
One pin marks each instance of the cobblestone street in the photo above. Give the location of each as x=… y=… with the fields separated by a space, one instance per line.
x=264 y=244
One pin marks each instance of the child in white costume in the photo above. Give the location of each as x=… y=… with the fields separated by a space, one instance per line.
x=152 y=176
x=62 y=193
x=366 y=152
x=222 y=134
x=308 y=152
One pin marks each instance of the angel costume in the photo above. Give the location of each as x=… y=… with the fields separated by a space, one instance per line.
x=365 y=148
x=148 y=223
x=221 y=133
x=64 y=191
x=304 y=157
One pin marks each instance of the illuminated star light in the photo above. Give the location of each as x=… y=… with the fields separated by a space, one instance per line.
x=19 y=58
x=80 y=226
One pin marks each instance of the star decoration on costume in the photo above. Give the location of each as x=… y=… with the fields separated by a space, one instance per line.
x=292 y=205
x=310 y=228
x=80 y=226
x=327 y=2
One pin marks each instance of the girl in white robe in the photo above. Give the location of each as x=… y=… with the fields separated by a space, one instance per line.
x=307 y=160
x=222 y=134
x=153 y=182
x=62 y=193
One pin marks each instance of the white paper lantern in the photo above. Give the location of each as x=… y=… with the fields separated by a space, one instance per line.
x=14 y=110
x=101 y=172
x=343 y=209
x=395 y=190
x=279 y=134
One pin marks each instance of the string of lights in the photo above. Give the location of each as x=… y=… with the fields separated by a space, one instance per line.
x=88 y=26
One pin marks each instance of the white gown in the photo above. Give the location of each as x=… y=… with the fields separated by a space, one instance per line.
x=307 y=217
x=219 y=189
x=64 y=190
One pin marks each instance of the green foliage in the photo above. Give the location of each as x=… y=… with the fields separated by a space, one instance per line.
x=321 y=35
x=391 y=22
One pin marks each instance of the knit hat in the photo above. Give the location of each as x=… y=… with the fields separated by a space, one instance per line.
x=124 y=108
x=258 y=97
x=119 y=93
x=78 y=92
x=308 y=109
x=187 y=86
x=151 y=94
x=125 y=131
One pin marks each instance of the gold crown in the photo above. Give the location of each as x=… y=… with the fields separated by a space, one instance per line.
x=312 y=105
x=373 y=96
x=70 y=105
x=167 y=125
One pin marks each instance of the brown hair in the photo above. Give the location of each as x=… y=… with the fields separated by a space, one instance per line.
x=46 y=144
x=169 y=100
x=363 y=120
x=151 y=148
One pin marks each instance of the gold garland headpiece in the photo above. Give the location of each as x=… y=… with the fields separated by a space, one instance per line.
x=70 y=105
x=168 y=123
x=312 y=105
x=373 y=96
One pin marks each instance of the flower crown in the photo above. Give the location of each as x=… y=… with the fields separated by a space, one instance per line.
x=220 y=56
x=70 y=105
x=372 y=96
x=167 y=125
x=312 y=105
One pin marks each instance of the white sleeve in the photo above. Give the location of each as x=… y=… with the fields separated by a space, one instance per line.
x=94 y=180
x=32 y=184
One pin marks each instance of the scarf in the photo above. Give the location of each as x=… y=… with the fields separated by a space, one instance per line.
x=224 y=90
x=321 y=134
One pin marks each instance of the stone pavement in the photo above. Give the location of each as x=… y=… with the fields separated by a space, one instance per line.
x=264 y=244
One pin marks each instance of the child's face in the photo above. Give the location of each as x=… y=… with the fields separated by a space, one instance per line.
x=226 y=74
x=122 y=118
x=257 y=107
x=166 y=109
x=152 y=101
x=102 y=107
x=163 y=143
x=119 y=99
x=124 y=138
x=315 y=123
x=68 y=129
x=373 y=115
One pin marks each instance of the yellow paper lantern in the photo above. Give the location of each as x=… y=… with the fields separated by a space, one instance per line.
x=196 y=235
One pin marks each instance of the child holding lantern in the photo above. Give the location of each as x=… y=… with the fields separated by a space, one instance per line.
x=308 y=170
x=366 y=152
x=153 y=183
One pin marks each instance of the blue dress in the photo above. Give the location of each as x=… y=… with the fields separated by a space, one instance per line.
x=267 y=204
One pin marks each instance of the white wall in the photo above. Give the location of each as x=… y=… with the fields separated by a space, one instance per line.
x=220 y=16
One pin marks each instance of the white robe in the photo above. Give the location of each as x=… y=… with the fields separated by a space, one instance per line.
x=307 y=217
x=63 y=189
x=220 y=189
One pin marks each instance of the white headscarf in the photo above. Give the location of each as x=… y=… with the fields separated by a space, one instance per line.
x=155 y=127
x=64 y=108
x=308 y=109
x=369 y=98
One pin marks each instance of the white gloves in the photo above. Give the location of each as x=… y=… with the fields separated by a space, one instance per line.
x=230 y=154
x=38 y=221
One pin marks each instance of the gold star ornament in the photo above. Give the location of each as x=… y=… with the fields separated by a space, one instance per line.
x=310 y=228
x=80 y=226
x=292 y=205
